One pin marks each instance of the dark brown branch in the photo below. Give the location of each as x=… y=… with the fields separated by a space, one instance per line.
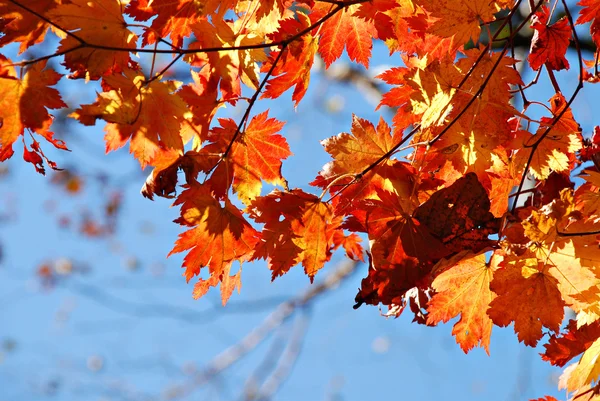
x=177 y=50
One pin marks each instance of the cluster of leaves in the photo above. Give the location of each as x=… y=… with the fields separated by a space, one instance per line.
x=452 y=229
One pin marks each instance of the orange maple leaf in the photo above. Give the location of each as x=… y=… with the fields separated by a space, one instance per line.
x=352 y=153
x=464 y=289
x=173 y=18
x=201 y=97
x=409 y=34
x=502 y=181
x=550 y=42
x=149 y=115
x=104 y=26
x=497 y=73
x=298 y=228
x=24 y=103
x=344 y=30
x=294 y=67
x=19 y=25
x=527 y=295
x=587 y=196
x=388 y=284
x=378 y=13
x=399 y=97
x=255 y=156
x=230 y=66
x=472 y=143
x=460 y=19
x=219 y=236
x=590 y=13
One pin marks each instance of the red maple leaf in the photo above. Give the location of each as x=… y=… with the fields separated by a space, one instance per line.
x=550 y=42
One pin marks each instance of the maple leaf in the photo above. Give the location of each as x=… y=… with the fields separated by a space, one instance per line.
x=590 y=13
x=495 y=71
x=560 y=350
x=19 y=25
x=388 y=284
x=377 y=13
x=201 y=98
x=299 y=227
x=351 y=244
x=502 y=182
x=409 y=33
x=230 y=66
x=435 y=85
x=556 y=150
x=23 y=105
x=464 y=289
x=571 y=261
x=403 y=251
x=394 y=234
x=265 y=17
x=587 y=196
x=163 y=179
x=104 y=26
x=297 y=60
x=459 y=19
x=352 y=153
x=255 y=156
x=400 y=96
x=173 y=18
x=528 y=296
x=265 y=7
x=465 y=147
x=586 y=371
x=147 y=114
x=550 y=42
x=219 y=236
x=472 y=143
x=344 y=30
x=459 y=215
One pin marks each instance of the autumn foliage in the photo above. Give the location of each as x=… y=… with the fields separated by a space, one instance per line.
x=440 y=191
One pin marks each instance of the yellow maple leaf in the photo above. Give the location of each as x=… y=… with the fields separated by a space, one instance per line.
x=569 y=259
x=586 y=371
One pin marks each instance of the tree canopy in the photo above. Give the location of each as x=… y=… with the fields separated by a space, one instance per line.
x=473 y=202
